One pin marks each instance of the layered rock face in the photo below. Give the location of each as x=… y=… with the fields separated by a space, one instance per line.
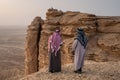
x=32 y=47
x=103 y=36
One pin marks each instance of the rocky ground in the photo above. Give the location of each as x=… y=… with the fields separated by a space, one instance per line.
x=91 y=71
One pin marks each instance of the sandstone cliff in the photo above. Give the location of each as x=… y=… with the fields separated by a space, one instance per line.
x=103 y=34
x=32 y=47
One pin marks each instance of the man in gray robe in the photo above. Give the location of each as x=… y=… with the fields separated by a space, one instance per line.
x=79 y=49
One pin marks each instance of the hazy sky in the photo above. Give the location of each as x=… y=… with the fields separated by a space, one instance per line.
x=22 y=12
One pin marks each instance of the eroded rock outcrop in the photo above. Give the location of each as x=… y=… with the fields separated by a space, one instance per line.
x=32 y=47
x=103 y=35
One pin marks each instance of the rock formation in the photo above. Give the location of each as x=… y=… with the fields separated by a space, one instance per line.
x=103 y=34
x=32 y=47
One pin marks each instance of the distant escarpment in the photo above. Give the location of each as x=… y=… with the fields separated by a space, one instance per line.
x=103 y=34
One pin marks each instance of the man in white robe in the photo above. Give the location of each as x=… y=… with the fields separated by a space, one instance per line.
x=78 y=50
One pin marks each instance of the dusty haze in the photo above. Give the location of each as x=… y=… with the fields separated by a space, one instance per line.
x=12 y=52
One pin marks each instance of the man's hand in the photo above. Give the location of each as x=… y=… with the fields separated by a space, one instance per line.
x=61 y=43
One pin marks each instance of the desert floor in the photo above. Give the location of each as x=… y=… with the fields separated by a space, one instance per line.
x=12 y=41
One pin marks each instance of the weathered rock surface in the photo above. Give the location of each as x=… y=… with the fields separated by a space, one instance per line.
x=31 y=46
x=109 y=24
x=103 y=35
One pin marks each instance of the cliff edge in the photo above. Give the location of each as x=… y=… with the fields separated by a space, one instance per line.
x=103 y=34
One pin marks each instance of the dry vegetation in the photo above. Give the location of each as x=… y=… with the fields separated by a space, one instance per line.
x=11 y=53
x=91 y=71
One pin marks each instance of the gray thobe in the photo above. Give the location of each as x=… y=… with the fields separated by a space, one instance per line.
x=79 y=54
